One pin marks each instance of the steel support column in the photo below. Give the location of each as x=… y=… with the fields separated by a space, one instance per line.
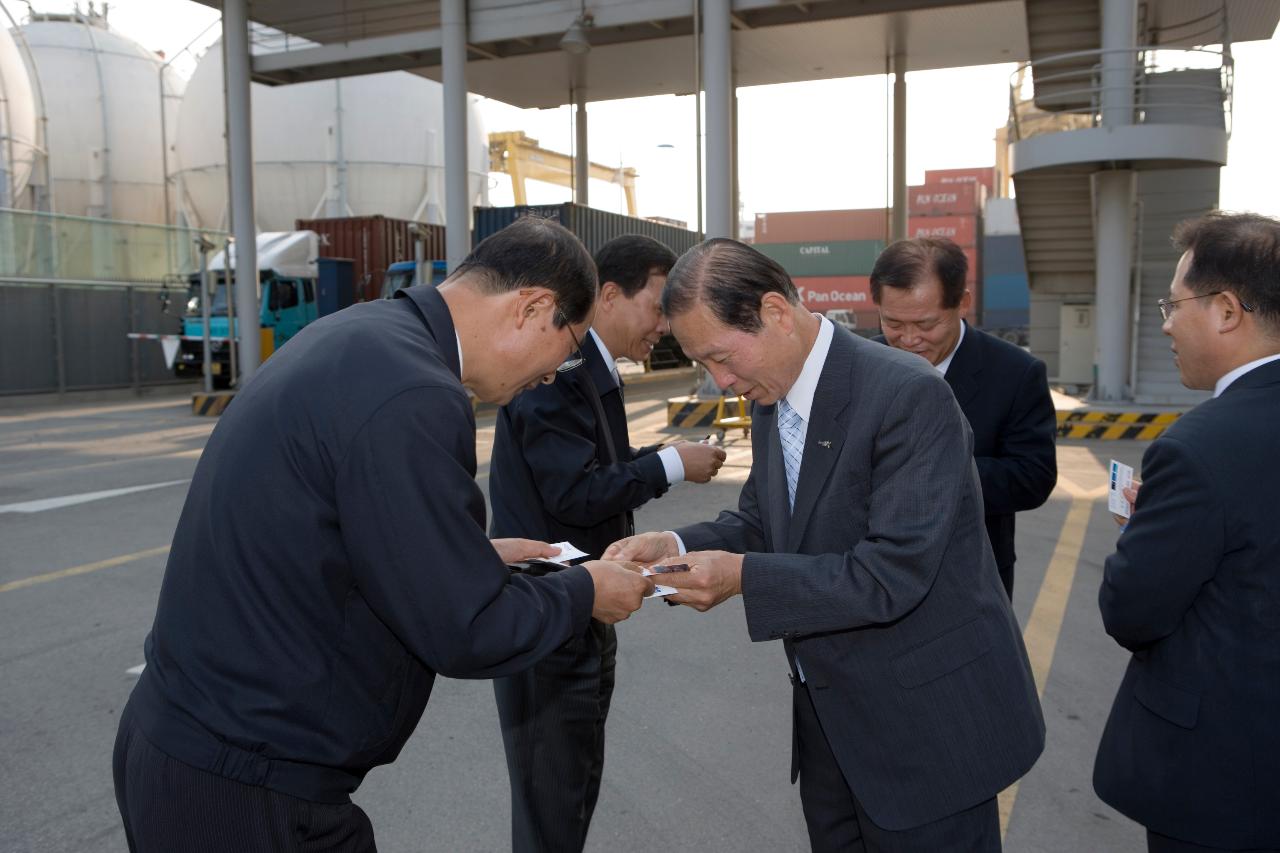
x=457 y=212
x=717 y=76
x=235 y=39
x=898 y=220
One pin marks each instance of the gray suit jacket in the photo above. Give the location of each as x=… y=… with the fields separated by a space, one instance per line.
x=884 y=586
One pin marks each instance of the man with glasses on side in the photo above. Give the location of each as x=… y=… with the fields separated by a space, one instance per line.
x=331 y=559
x=563 y=469
x=1192 y=747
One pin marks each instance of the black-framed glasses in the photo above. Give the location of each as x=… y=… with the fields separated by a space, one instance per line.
x=576 y=357
x=1167 y=309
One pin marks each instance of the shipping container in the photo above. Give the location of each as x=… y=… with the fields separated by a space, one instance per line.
x=1000 y=217
x=822 y=293
x=984 y=176
x=374 y=243
x=841 y=258
x=962 y=230
x=1002 y=254
x=593 y=227
x=822 y=225
x=945 y=199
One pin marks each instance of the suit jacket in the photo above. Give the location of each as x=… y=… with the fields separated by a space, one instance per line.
x=1192 y=747
x=1004 y=394
x=882 y=585
x=331 y=558
x=552 y=477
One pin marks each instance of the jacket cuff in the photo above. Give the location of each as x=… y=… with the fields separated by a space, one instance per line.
x=582 y=596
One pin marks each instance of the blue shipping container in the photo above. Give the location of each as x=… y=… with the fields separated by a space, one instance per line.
x=335 y=285
x=1002 y=255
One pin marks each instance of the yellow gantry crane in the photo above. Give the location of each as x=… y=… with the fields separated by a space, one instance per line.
x=523 y=159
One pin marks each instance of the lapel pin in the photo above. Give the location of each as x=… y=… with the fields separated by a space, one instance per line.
x=825 y=444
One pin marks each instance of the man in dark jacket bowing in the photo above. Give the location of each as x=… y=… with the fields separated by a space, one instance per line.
x=331 y=558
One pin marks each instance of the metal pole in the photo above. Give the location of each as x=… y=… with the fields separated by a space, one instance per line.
x=235 y=38
x=203 y=246
x=457 y=215
x=1119 y=34
x=581 y=158
x=1113 y=247
x=697 y=104
x=228 y=275
x=898 y=222
x=717 y=71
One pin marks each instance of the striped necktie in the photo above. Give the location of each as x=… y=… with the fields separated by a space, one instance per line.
x=791 y=430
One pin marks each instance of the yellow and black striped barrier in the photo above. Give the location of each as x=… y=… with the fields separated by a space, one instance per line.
x=691 y=412
x=1142 y=426
x=211 y=405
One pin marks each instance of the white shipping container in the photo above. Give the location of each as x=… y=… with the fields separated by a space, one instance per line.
x=1000 y=217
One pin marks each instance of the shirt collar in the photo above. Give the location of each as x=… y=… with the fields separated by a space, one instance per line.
x=946 y=362
x=1226 y=381
x=800 y=397
x=458 y=338
x=606 y=355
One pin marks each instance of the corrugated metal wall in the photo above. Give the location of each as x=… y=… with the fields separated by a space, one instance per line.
x=72 y=337
x=593 y=227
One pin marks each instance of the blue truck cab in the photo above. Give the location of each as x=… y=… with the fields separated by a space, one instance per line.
x=400 y=275
x=287 y=274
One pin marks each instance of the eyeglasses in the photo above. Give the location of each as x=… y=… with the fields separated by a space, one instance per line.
x=1167 y=309
x=576 y=357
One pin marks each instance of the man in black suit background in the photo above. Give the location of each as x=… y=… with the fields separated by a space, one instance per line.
x=1192 y=747
x=919 y=287
x=331 y=558
x=563 y=469
x=858 y=542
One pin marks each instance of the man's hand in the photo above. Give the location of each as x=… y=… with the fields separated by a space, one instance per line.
x=620 y=589
x=1131 y=495
x=713 y=577
x=516 y=550
x=646 y=548
x=701 y=461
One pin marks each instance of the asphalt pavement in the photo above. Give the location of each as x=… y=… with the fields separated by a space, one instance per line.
x=699 y=733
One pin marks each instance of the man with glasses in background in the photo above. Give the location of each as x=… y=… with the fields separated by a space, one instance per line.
x=563 y=469
x=1192 y=747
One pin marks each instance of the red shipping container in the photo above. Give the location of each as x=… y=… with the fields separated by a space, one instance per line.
x=822 y=293
x=962 y=230
x=373 y=243
x=822 y=226
x=986 y=176
x=944 y=199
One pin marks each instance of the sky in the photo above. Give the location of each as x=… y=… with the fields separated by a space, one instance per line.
x=802 y=146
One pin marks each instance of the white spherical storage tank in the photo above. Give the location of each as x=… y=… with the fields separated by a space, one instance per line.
x=357 y=146
x=17 y=122
x=103 y=102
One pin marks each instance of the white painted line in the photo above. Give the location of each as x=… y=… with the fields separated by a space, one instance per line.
x=72 y=500
x=135 y=670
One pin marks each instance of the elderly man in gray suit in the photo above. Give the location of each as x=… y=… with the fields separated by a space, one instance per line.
x=859 y=542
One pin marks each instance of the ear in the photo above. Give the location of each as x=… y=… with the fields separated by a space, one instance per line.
x=775 y=310
x=1230 y=314
x=533 y=304
x=610 y=292
x=966 y=302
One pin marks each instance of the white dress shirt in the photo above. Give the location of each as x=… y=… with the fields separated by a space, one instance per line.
x=1226 y=381
x=672 y=464
x=946 y=362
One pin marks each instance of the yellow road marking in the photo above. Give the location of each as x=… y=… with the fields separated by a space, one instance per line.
x=1045 y=624
x=82 y=570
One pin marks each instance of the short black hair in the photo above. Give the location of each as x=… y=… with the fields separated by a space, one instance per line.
x=907 y=263
x=731 y=278
x=537 y=252
x=1239 y=252
x=629 y=260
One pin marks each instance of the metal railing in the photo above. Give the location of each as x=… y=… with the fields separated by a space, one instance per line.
x=1167 y=86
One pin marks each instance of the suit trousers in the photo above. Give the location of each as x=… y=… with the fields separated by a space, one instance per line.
x=1157 y=843
x=838 y=823
x=168 y=806
x=553 y=718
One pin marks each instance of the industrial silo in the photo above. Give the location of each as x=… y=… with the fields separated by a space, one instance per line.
x=358 y=146
x=17 y=122
x=104 y=105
